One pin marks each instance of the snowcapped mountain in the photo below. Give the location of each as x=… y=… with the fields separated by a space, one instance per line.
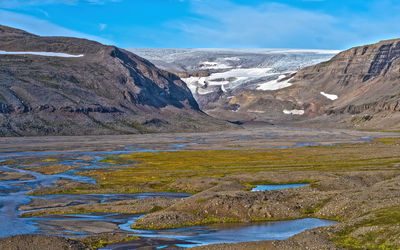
x=216 y=76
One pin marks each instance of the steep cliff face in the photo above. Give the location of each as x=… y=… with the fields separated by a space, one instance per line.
x=359 y=87
x=363 y=77
x=89 y=89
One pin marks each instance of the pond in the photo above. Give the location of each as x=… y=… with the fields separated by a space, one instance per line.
x=278 y=187
x=232 y=233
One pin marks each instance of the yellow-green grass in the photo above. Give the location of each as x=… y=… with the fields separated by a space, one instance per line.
x=50 y=160
x=100 y=241
x=159 y=169
x=51 y=169
x=207 y=220
x=382 y=230
x=92 y=208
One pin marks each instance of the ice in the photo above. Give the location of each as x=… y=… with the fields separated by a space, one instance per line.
x=248 y=73
x=275 y=84
x=214 y=65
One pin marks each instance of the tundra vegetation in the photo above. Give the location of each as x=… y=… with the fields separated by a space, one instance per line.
x=356 y=184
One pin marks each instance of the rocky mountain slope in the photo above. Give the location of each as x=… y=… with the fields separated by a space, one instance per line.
x=366 y=81
x=217 y=76
x=359 y=87
x=70 y=86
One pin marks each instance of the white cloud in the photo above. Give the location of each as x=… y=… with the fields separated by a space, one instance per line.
x=42 y=27
x=20 y=3
x=221 y=23
x=102 y=26
x=269 y=24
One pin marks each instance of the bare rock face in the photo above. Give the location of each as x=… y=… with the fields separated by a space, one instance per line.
x=366 y=80
x=107 y=90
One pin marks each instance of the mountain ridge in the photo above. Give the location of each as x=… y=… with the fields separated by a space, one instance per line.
x=366 y=79
x=357 y=88
x=106 y=91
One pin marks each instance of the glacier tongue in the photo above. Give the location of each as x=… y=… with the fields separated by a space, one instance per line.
x=275 y=84
x=212 y=74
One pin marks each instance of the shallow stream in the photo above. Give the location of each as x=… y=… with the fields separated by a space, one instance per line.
x=13 y=194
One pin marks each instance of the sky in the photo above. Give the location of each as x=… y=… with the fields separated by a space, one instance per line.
x=297 y=24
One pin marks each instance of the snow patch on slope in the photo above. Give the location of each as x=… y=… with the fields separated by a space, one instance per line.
x=275 y=84
x=38 y=53
x=330 y=96
x=293 y=112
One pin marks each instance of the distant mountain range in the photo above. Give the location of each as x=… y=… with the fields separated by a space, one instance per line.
x=70 y=86
x=218 y=77
x=357 y=88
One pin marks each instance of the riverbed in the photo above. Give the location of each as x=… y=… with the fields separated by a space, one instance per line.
x=20 y=155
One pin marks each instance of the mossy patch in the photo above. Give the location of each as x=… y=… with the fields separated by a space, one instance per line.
x=207 y=220
x=102 y=240
x=51 y=169
x=379 y=230
x=155 y=171
x=50 y=160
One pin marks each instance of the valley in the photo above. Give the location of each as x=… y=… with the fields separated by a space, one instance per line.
x=238 y=84
x=110 y=148
x=198 y=181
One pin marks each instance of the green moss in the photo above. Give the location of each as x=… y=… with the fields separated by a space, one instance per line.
x=383 y=231
x=249 y=186
x=156 y=209
x=50 y=160
x=156 y=171
x=207 y=220
x=96 y=242
x=201 y=200
x=256 y=183
x=86 y=209
x=388 y=140
x=314 y=209
x=2 y=98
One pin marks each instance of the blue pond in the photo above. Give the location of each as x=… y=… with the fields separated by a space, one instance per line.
x=277 y=187
x=13 y=194
x=235 y=233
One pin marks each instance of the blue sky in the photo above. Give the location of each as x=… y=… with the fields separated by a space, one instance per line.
x=302 y=24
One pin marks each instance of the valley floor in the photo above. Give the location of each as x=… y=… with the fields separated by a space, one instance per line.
x=118 y=190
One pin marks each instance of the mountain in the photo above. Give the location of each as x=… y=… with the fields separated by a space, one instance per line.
x=71 y=86
x=235 y=83
x=366 y=82
x=356 y=88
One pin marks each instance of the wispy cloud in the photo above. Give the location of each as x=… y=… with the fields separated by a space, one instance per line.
x=218 y=23
x=314 y=24
x=21 y=3
x=102 y=26
x=271 y=24
x=42 y=27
